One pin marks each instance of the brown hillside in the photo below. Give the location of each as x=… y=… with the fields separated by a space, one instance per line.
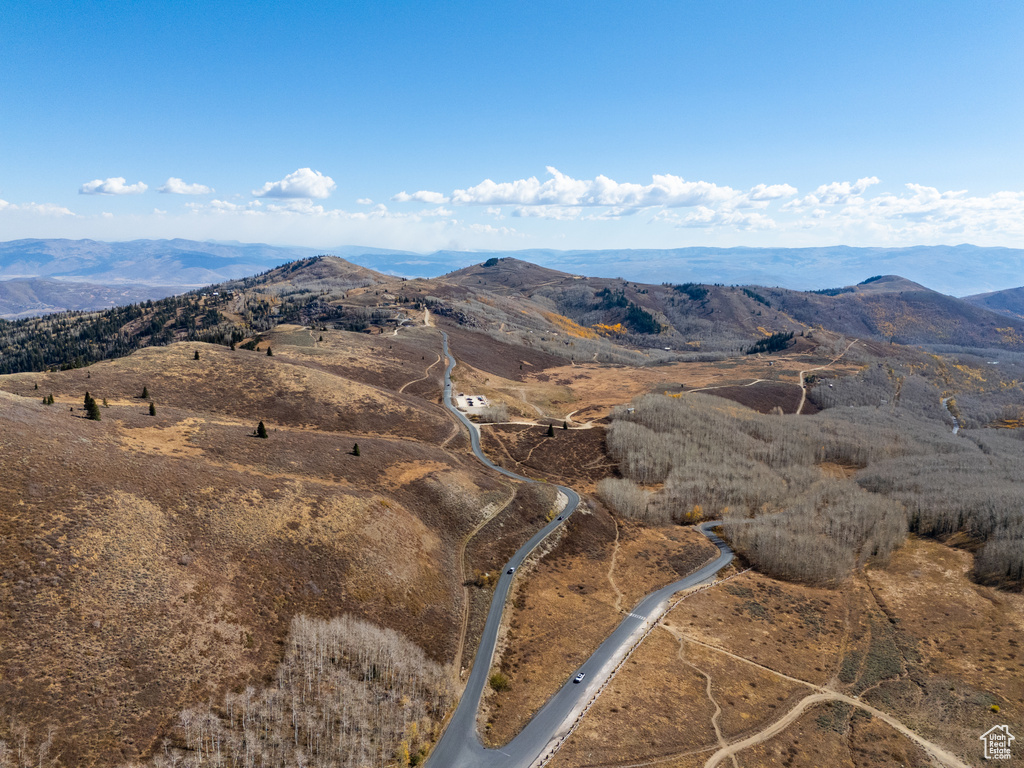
x=904 y=312
x=508 y=273
x=150 y=563
x=1009 y=302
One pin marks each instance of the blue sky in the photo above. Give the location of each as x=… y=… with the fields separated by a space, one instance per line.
x=514 y=125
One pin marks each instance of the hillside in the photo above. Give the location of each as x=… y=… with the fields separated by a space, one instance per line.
x=900 y=311
x=1009 y=302
x=224 y=313
x=572 y=316
x=151 y=563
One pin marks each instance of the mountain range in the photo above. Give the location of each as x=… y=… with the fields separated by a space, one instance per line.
x=151 y=269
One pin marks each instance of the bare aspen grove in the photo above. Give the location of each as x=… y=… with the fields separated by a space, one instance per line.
x=347 y=694
x=695 y=457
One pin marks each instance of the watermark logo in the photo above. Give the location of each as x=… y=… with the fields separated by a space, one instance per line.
x=997 y=741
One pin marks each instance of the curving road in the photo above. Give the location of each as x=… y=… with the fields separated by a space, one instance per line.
x=460 y=745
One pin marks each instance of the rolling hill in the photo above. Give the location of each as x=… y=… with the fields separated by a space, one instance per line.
x=1009 y=302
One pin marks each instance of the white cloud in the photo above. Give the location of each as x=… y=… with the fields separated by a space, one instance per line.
x=303 y=183
x=224 y=206
x=303 y=206
x=487 y=229
x=40 y=209
x=423 y=196
x=175 y=186
x=771 y=191
x=555 y=212
x=561 y=196
x=107 y=215
x=836 y=193
x=918 y=215
x=112 y=186
x=364 y=201
x=704 y=217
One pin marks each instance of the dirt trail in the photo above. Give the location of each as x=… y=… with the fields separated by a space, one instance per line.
x=934 y=751
x=724 y=386
x=821 y=694
x=611 y=570
x=426 y=374
x=522 y=396
x=722 y=743
x=803 y=384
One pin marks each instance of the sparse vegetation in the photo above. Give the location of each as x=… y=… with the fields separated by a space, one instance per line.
x=347 y=694
x=756 y=297
x=499 y=682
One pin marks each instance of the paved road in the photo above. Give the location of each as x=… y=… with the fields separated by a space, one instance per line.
x=460 y=745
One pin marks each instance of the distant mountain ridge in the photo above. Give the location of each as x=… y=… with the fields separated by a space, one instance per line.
x=24 y=297
x=179 y=265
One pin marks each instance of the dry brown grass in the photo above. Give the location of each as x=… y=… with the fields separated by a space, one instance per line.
x=150 y=563
x=574 y=457
x=573 y=598
x=916 y=639
x=812 y=741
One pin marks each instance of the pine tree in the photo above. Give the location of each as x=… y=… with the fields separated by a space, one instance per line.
x=196 y=355
x=270 y=352
x=355 y=449
x=261 y=431
x=565 y=425
x=36 y=386
x=145 y=393
x=551 y=430
x=92 y=408
x=152 y=409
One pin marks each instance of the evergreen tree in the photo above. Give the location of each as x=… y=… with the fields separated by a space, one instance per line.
x=270 y=352
x=92 y=408
x=261 y=431
x=152 y=409
x=196 y=355
x=551 y=430
x=145 y=393
x=355 y=449
x=36 y=386
x=565 y=425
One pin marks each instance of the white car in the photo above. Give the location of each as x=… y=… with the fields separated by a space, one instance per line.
x=579 y=677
